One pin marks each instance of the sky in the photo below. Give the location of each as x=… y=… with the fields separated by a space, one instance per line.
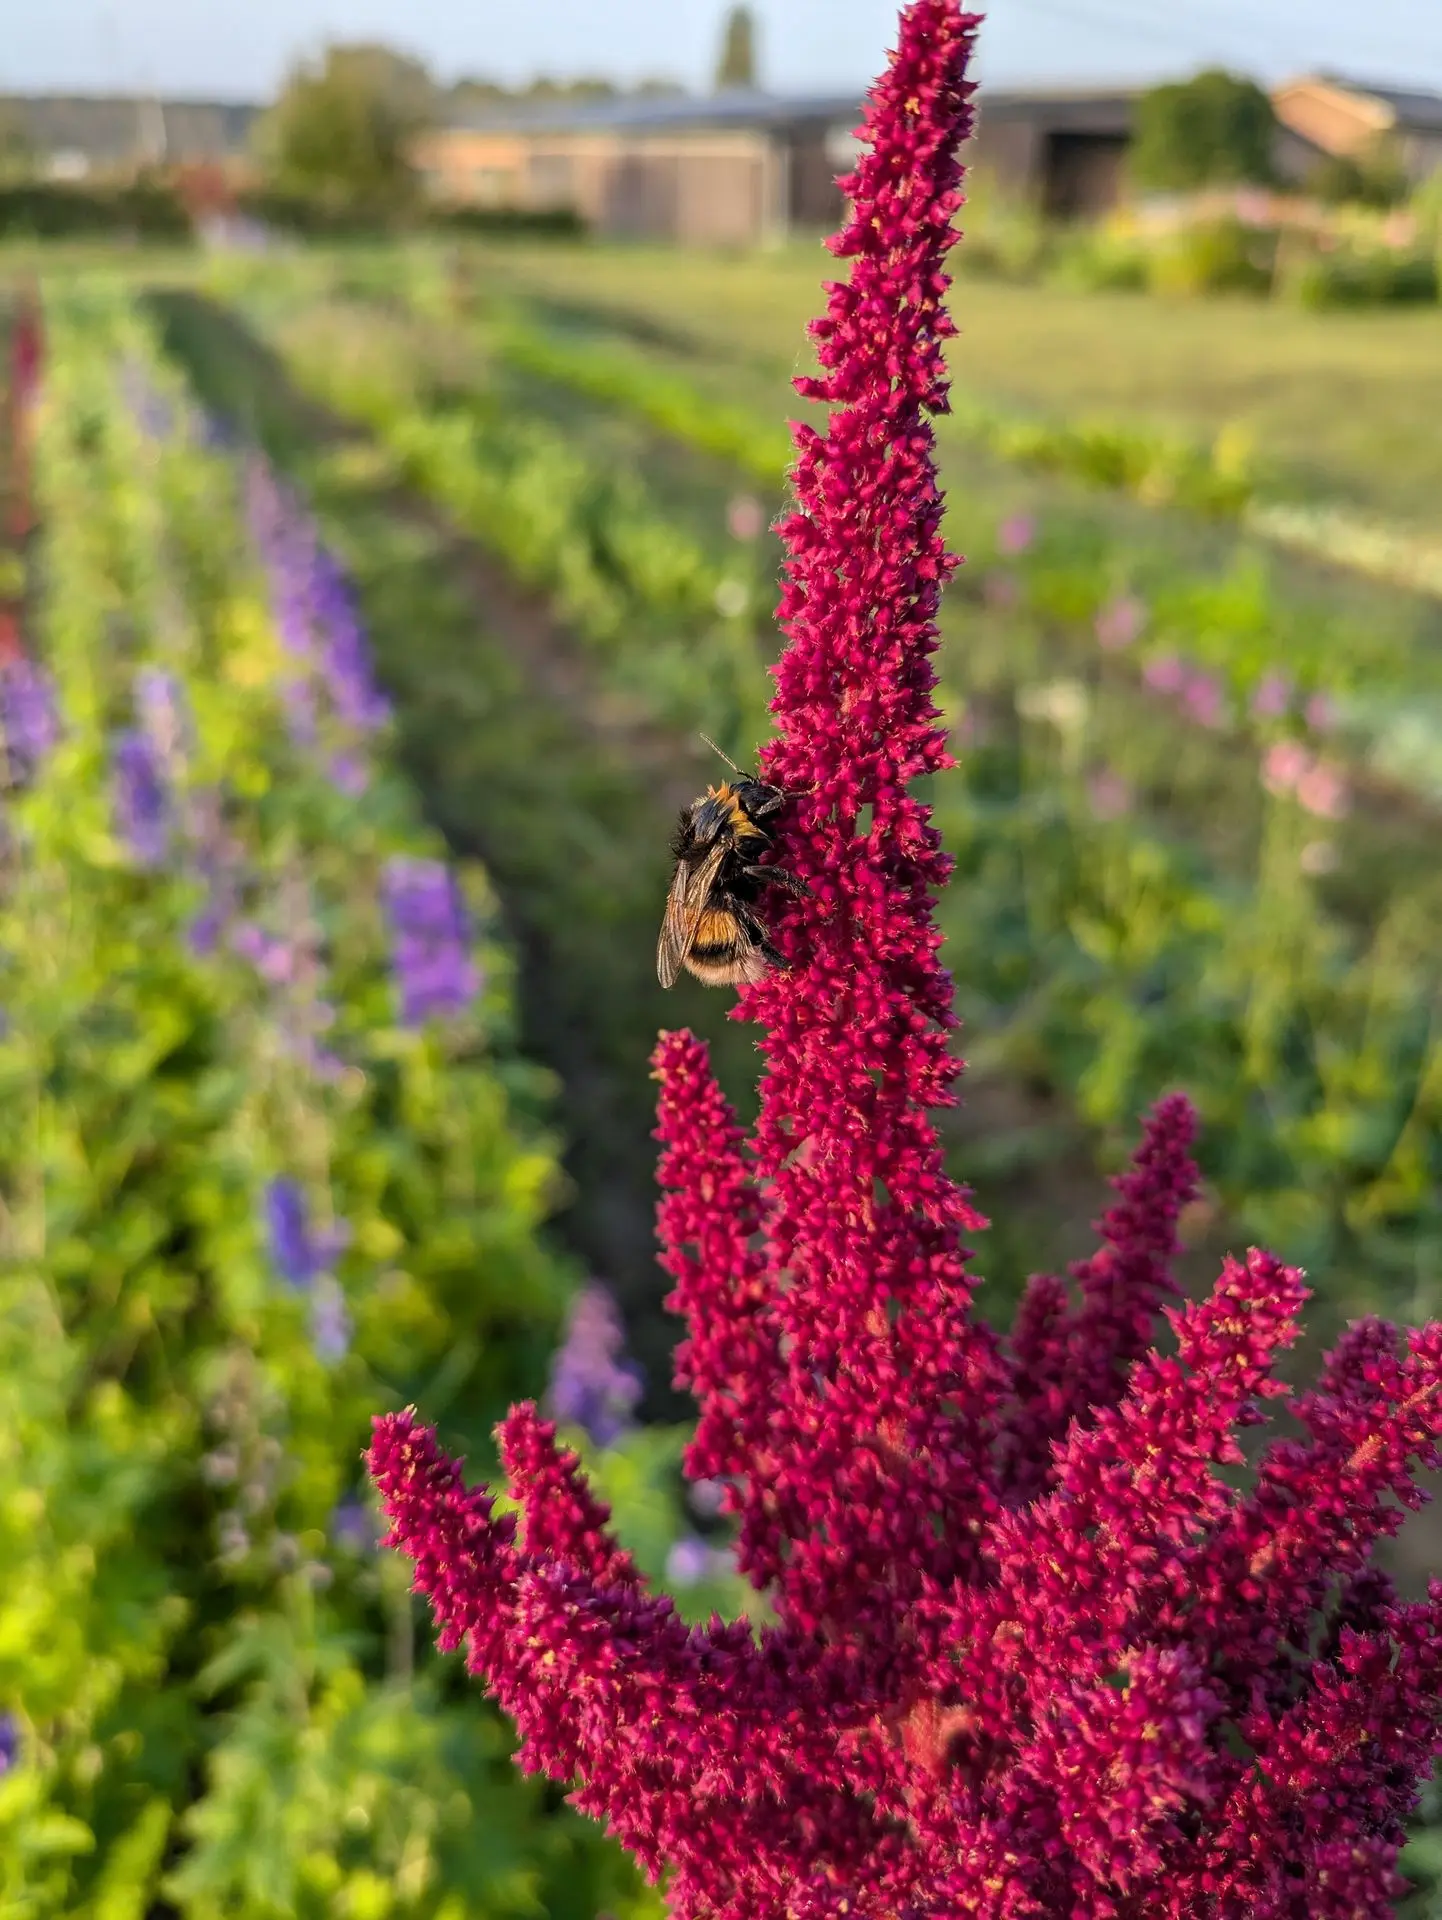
x=238 y=49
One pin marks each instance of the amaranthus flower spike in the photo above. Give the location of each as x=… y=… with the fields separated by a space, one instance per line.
x=1032 y=1655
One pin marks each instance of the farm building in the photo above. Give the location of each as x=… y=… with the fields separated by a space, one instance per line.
x=74 y=136
x=1327 y=115
x=733 y=169
x=738 y=168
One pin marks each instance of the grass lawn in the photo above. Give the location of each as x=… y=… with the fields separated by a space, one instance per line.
x=1345 y=403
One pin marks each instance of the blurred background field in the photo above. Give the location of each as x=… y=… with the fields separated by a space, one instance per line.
x=388 y=492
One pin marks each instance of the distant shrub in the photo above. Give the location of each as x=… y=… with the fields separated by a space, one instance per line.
x=47 y=210
x=1100 y=262
x=560 y=223
x=1212 y=130
x=1372 y=279
x=1218 y=256
x=1375 y=177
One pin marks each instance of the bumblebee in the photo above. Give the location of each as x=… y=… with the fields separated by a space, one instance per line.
x=709 y=927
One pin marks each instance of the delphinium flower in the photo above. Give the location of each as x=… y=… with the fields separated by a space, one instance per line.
x=297 y=1253
x=330 y=693
x=28 y=717
x=303 y=1255
x=160 y=710
x=1033 y=1654
x=141 y=797
x=292 y=965
x=217 y=862
x=352 y=1526
x=592 y=1386
x=430 y=940
x=9 y=1742
x=151 y=410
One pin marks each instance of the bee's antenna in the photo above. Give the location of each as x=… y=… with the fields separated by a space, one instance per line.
x=725 y=756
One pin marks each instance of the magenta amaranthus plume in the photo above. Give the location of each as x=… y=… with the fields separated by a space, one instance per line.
x=1033 y=1654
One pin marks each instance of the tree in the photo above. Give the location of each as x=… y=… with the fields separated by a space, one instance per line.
x=1374 y=177
x=1216 y=129
x=736 y=67
x=341 y=131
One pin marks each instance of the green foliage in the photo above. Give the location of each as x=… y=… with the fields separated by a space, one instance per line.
x=1375 y=177
x=1426 y=207
x=1371 y=277
x=736 y=66
x=49 y=210
x=1212 y=130
x=225 y=1706
x=1213 y=256
x=340 y=136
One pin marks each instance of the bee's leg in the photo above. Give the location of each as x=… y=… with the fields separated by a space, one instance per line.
x=778 y=876
x=758 y=936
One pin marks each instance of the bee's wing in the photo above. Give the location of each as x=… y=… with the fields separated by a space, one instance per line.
x=686 y=902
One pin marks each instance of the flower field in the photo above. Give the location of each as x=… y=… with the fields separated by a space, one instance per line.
x=359 y=615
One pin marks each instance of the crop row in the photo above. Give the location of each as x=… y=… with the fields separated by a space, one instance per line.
x=270 y=1162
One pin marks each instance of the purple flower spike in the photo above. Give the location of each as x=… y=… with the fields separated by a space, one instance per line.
x=161 y=710
x=330 y=1321
x=430 y=941
x=141 y=798
x=27 y=715
x=689 y=1562
x=293 y=1252
x=353 y=1527
x=299 y=1254
x=592 y=1387
x=346 y=659
x=9 y=1742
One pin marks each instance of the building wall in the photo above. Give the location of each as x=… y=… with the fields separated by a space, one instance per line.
x=701 y=189
x=472 y=169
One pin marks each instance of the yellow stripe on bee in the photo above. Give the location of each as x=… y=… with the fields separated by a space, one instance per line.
x=715 y=930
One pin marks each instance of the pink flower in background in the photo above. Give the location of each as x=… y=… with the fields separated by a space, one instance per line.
x=1120 y=622
x=1109 y=794
x=1321 y=713
x=1033 y=1653
x=1283 y=765
x=1322 y=790
x=1165 y=673
x=1204 y=700
x=1000 y=590
x=1273 y=696
x=1016 y=534
x=746 y=517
